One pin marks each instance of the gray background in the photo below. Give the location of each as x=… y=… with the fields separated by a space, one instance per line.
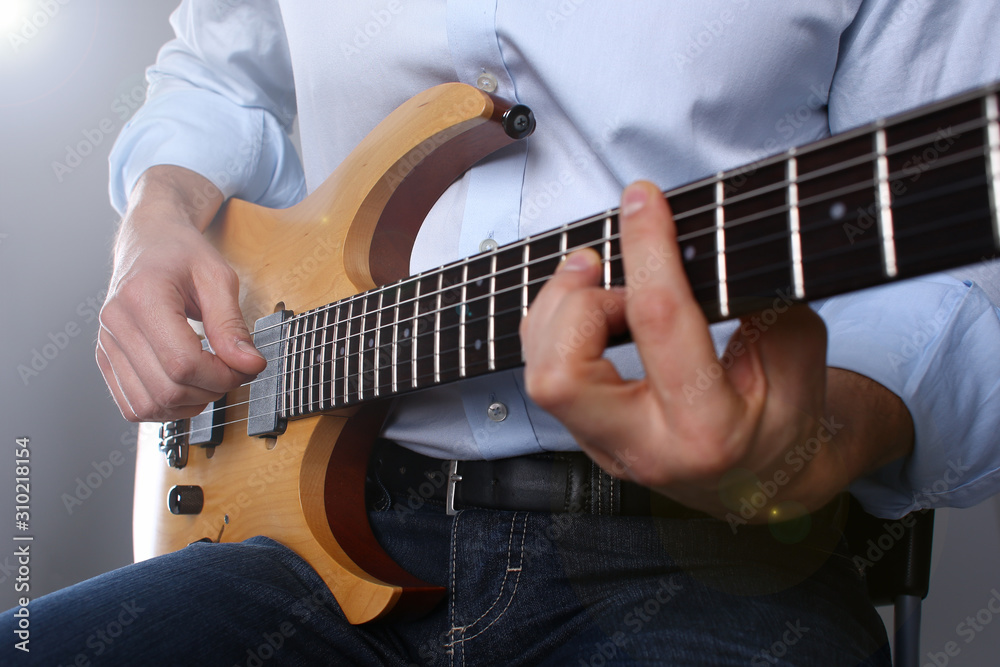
x=68 y=83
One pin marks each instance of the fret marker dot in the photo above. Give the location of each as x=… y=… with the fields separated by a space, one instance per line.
x=406 y=333
x=341 y=351
x=479 y=283
x=479 y=344
x=690 y=252
x=371 y=342
x=838 y=211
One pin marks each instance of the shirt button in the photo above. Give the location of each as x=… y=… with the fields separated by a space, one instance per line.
x=486 y=82
x=488 y=245
x=497 y=411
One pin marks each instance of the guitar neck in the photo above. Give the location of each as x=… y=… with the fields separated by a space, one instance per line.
x=904 y=197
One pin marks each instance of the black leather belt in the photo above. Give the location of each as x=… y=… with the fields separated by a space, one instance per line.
x=559 y=482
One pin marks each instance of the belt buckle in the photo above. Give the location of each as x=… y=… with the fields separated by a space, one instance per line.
x=453 y=479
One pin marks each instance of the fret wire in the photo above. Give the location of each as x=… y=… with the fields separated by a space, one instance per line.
x=347 y=352
x=334 y=350
x=992 y=108
x=361 y=347
x=303 y=371
x=437 y=329
x=324 y=382
x=287 y=377
x=395 y=340
x=378 y=342
x=296 y=367
x=794 y=225
x=607 y=252
x=526 y=261
x=310 y=353
x=413 y=334
x=462 y=311
x=491 y=352
x=720 y=242
x=883 y=198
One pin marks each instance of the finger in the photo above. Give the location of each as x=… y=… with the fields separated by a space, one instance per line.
x=148 y=321
x=154 y=399
x=114 y=386
x=666 y=322
x=225 y=328
x=566 y=333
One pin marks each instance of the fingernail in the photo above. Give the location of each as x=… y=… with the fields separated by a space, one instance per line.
x=246 y=346
x=578 y=261
x=634 y=200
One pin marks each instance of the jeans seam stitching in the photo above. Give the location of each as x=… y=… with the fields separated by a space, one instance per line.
x=503 y=585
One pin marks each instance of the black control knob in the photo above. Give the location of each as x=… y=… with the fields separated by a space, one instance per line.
x=185 y=500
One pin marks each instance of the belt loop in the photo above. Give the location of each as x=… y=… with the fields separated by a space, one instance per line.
x=453 y=479
x=605 y=492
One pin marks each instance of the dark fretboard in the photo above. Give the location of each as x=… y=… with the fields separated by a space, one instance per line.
x=903 y=197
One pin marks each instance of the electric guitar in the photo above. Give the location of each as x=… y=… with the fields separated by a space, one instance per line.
x=324 y=287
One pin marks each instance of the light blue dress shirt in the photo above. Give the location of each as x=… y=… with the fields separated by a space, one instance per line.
x=665 y=90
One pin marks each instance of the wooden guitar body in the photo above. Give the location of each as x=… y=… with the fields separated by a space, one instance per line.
x=354 y=232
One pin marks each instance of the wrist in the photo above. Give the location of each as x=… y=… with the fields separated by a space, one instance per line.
x=174 y=194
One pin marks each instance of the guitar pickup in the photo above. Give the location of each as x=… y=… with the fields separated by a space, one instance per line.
x=270 y=338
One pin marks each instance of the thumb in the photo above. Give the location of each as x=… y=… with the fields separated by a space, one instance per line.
x=225 y=328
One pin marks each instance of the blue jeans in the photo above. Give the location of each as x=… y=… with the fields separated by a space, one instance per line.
x=523 y=588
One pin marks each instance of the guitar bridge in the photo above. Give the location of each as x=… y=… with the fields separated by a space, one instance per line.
x=204 y=430
x=174 y=444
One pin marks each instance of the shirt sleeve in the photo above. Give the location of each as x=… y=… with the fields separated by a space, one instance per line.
x=933 y=341
x=221 y=102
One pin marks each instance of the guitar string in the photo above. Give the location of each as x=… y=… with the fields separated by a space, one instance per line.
x=356 y=394
x=709 y=230
x=517 y=268
x=343 y=341
x=980 y=123
x=347 y=323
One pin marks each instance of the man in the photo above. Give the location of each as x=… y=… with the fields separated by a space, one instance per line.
x=668 y=93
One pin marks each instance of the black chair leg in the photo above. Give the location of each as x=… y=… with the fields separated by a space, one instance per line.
x=906 y=647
